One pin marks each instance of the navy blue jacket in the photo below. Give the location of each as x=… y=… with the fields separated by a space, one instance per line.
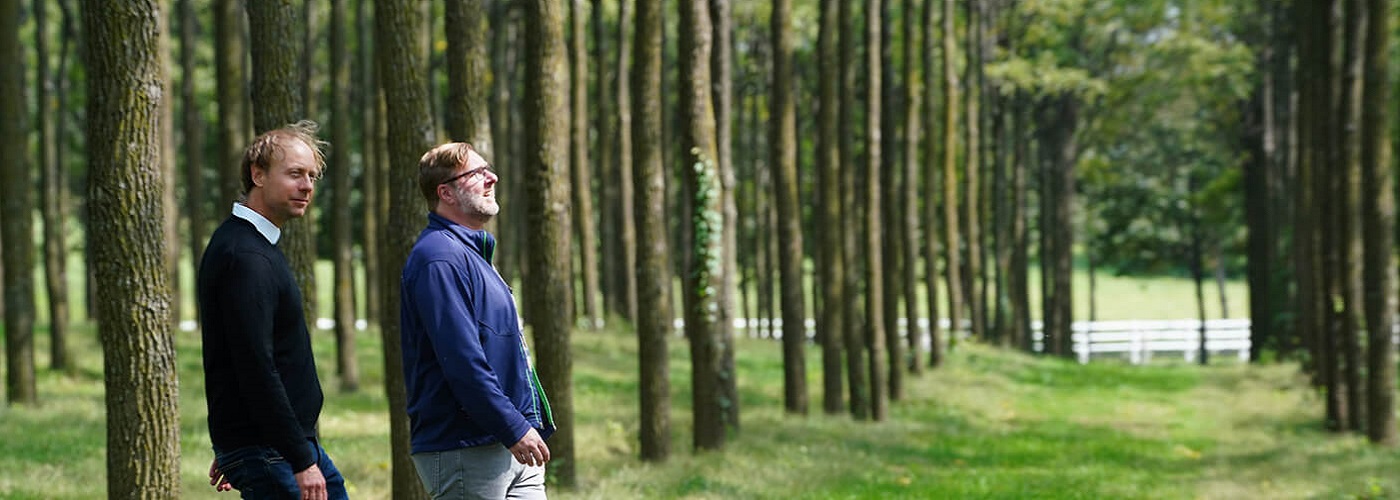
x=466 y=367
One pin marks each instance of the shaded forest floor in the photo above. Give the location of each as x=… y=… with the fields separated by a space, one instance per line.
x=989 y=424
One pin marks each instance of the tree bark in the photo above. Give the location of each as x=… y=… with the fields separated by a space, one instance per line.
x=722 y=81
x=580 y=170
x=620 y=235
x=972 y=205
x=409 y=128
x=831 y=269
x=1378 y=219
x=341 y=180
x=703 y=278
x=951 y=233
x=277 y=100
x=1346 y=190
x=126 y=84
x=874 y=266
x=891 y=228
x=54 y=192
x=909 y=179
x=782 y=147
x=235 y=123
x=653 y=265
x=931 y=176
x=16 y=223
x=368 y=102
x=546 y=202
x=856 y=362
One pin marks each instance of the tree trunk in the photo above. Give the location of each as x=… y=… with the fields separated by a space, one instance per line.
x=913 y=92
x=341 y=223
x=604 y=123
x=580 y=170
x=1378 y=219
x=369 y=185
x=653 y=264
x=403 y=75
x=1058 y=120
x=16 y=223
x=235 y=123
x=951 y=234
x=722 y=82
x=972 y=205
x=703 y=278
x=856 y=371
x=126 y=78
x=831 y=269
x=891 y=228
x=54 y=192
x=1017 y=279
x=874 y=266
x=782 y=147
x=277 y=100
x=468 y=67
x=1258 y=192
x=931 y=176
x=1346 y=190
x=546 y=203
x=625 y=280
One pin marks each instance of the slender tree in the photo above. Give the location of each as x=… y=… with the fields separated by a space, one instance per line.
x=16 y=225
x=891 y=226
x=468 y=75
x=832 y=269
x=1378 y=218
x=278 y=100
x=722 y=80
x=703 y=278
x=1346 y=190
x=409 y=132
x=546 y=202
x=653 y=265
x=931 y=176
x=580 y=170
x=341 y=180
x=369 y=186
x=782 y=147
x=972 y=212
x=874 y=267
x=231 y=78
x=192 y=134
x=951 y=234
x=856 y=371
x=909 y=179
x=626 y=278
x=126 y=84
x=54 y=192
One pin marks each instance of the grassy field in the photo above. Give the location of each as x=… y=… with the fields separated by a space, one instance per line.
x=991 y=424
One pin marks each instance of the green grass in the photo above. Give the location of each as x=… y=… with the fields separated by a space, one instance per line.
x=991 y=424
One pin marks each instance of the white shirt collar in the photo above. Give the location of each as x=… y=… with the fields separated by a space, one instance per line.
x=264 y=226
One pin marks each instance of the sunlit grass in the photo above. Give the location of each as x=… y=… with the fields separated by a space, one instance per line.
x=990 y=424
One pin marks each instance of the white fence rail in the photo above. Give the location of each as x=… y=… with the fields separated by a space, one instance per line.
x=1136 y=340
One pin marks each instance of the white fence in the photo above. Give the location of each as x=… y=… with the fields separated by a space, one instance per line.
x=1136 y=340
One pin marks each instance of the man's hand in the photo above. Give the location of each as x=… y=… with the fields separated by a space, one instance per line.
x=217 y=478
x=312 y=484
x=531 y=450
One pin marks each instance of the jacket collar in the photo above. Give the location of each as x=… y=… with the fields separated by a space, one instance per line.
x=477 y=240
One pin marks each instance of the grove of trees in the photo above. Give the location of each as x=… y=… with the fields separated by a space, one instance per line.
x=869 y=164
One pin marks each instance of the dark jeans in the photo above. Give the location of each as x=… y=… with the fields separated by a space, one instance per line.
x=260 y=472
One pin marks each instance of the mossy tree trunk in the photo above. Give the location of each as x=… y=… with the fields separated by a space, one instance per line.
x=126 y=84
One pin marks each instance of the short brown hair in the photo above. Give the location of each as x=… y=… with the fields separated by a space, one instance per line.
x=437 y=165
x=268 y=147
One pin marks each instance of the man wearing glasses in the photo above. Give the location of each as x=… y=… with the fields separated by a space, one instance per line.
x=477 y=413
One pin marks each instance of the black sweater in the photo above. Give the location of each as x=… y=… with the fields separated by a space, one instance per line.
x=259 y=374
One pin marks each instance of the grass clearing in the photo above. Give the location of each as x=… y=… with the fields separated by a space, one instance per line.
x=991 y=424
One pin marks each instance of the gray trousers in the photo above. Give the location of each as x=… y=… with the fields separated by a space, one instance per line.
x=485 y=472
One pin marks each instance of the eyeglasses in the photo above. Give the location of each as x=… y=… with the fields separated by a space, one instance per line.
x=478 y=170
